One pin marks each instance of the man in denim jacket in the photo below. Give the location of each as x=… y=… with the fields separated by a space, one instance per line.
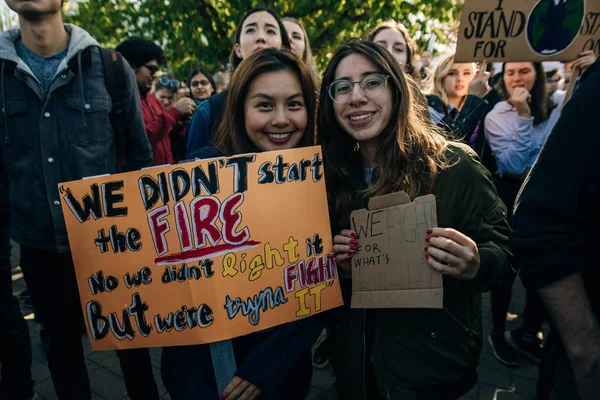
x=55 y=127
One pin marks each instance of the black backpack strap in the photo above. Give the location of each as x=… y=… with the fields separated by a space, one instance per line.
x=114 y=78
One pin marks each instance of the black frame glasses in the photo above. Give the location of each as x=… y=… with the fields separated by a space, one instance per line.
x=367 y=91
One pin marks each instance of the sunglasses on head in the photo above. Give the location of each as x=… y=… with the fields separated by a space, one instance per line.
x=163 y=80
x=152 y=68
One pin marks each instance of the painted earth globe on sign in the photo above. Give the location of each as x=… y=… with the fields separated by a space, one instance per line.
x=553 y=25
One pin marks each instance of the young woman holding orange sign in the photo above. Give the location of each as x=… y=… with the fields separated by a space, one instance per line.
x=271 y=105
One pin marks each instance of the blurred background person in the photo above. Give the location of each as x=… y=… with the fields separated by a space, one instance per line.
x=426 y=64
x=301 y=44
x=202 y=85
x=221 y=79
x=165 y=89
x=394 y=37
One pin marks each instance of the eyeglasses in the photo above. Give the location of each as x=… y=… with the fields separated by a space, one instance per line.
x=164 y=81
x=152 y=68
x=203 y=82
x=555 y=80
x=371 y=85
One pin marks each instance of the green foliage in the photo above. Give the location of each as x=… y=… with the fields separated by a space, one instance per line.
x=199 y=32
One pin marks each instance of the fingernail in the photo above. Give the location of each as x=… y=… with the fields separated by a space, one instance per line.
x=223 y=396
x=427 y=239
x=354 y=241
x=429 y=231
x=353 y=234
x=352 y=248
x=427 y=256
x=426 y=248
x=350 y=254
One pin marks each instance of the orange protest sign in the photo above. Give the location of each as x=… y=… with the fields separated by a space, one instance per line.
x=202 y=251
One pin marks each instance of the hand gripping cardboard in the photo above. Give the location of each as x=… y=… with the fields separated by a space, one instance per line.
x=389 y=269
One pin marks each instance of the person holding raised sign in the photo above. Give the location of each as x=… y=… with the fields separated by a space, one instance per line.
x=271 y=105
x=376 y=140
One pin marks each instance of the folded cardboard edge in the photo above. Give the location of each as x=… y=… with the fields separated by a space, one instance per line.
x=388 y=200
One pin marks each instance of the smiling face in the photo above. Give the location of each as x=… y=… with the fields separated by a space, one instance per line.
x=456 y=82
x=519 y=74
x=362 y=118
x=201 y=87
x=394 y=42
x=259 y=30
x=296 y=36
x=275 y=114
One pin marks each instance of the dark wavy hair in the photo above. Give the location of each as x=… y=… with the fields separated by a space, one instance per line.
x=285 y=40
x=138 y=51
x=411 y=151
x=208 y=76
x=411 y=46
x=541 y=104
x=231 y=136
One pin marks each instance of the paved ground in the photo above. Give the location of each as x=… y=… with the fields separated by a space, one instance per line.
x=496 y=382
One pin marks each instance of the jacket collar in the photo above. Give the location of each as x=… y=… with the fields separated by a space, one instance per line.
x=80 y=40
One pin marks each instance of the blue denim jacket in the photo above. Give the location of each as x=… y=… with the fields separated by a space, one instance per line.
x=59 y=135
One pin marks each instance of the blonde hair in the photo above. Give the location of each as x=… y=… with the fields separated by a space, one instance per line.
x=434 y=84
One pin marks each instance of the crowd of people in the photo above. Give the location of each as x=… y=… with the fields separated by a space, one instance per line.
x=388 y=119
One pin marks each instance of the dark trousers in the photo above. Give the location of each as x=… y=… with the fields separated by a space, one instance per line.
x=535 y=312
x=51 y=282
x=15 y=345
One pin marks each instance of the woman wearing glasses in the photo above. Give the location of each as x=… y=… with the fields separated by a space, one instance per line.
x=377 y=141
x=202 y=85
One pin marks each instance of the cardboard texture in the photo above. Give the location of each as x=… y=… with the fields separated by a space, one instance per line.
x=389 y=269
x=527 y=30
x=201 y=251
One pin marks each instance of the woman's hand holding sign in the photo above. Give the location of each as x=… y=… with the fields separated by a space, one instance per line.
x=344 y=246
x=452 y=253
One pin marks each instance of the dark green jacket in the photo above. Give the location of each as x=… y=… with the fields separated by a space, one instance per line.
x=432 y=349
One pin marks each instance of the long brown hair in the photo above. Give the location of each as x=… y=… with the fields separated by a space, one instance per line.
x=231 y=136
x=411 y=151
x=541 y=104
x=411 y=45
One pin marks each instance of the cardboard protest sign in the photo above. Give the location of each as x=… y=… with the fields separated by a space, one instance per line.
x=528 y=30
x=389 y=269
x=202 y=251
